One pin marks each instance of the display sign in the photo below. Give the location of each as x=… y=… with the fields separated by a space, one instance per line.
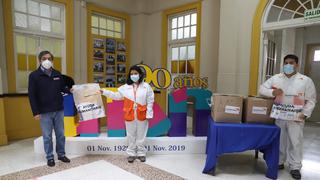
x=288 y=107
x=88 y=101
x=312 y=14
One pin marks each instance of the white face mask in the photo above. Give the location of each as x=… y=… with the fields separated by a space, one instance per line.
x=47 y=64
x=135 y=77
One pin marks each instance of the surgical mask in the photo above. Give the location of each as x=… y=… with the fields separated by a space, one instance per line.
x=135 y=77
x=47 y=64
x=288 y=69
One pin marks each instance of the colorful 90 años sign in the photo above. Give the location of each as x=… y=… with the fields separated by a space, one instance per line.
x=165 y=81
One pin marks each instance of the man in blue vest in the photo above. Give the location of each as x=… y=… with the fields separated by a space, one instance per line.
x=46 y=100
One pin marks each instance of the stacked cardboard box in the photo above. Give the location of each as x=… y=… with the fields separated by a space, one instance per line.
x=227 y=108
x=257 y=110
x=237 y=109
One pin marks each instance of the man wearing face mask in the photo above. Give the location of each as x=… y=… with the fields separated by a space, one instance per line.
x=46 y=100
x=291 y=83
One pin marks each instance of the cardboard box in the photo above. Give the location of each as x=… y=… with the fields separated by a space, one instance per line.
x=257 y=110
x=227 y=108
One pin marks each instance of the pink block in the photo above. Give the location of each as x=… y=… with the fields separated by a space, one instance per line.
x=90 y=126
x=180 y=95
x=158 y=115
x=115 y=120
x=115 y=115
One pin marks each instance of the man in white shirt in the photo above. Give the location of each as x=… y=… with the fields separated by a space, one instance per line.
x=291 y=83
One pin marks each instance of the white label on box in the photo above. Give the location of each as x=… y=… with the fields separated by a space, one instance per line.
x=232 y=110
x=259 y=110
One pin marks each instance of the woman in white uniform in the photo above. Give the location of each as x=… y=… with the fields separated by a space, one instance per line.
x=138 y=99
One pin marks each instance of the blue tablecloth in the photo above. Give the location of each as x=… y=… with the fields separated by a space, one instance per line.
x=229 y=138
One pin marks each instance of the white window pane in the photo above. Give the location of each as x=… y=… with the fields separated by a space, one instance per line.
x=103 y=32
x=193 y=31
x=45 y=25
x=56 y=27
x=20 y=5
x=20 y=20
x=180 y=33
x=103 y=23
x=56 y=47
x=117 y=35
x=183 y=53
x=174 y=23
x=33 y=7
x=46 y=44
x=34 y=22
x=180 y=21
x=21 y=44
x=191 y=52
x=32 y=45
x=186 y=32
x=187 y=20
x=94 y=21
x=44 y=10
x=110 y=34
x=316 y=55
x=193 y=18
x=175 y=54
x=173 y=34
x=117 y=26
x=56 y=12
x=110 y=25
x=94 y=31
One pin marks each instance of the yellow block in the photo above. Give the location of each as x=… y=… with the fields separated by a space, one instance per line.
x=3 y=134
x=70 y=126
x=110 y=89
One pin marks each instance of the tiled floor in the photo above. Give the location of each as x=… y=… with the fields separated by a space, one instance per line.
x=19 y=155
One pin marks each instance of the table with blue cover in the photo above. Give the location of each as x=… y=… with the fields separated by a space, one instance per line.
x=229 y=138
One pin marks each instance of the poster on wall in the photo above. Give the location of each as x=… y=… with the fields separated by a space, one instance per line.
x=121 y=79
x=88 y=101
x=121 y=46
x=98 y=43
x=98 y=55
x=121 y=68
x=110 y=45
x=110 y=60
x=121 y=57
x=110 y=70
x=97 y=67
x=97 y=78
x=110 y=81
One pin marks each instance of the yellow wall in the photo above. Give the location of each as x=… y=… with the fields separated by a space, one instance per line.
x=19 y=119
x=3 y=134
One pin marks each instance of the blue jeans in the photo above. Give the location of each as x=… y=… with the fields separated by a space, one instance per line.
x=48 y=122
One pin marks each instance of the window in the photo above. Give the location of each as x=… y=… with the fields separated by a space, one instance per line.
x=38 y=25
x=107 y=26
x=108 y=46
x=271 y=59
x=316 y=55
x=182 y=43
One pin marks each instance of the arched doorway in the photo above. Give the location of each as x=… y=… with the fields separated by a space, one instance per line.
x=281 y=27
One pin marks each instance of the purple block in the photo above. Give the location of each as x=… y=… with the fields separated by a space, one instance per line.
x=178 y=124
x=200 y=122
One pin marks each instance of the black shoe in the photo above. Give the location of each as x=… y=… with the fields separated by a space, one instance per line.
x=295 y=174
x=281 y=166
x=51 y=163
x=142 y=158
x=64 y=159
x=131 y=159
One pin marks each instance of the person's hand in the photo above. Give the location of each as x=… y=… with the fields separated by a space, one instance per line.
x=37 y=117
x=277 y=92
x=301 y=117
x=100 y=91
x=71 y=90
